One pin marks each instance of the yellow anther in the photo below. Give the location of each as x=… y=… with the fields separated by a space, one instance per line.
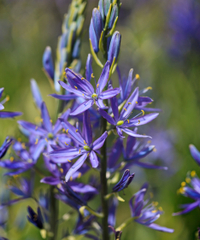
x=7 y=98
x=88 y=154
x=61 y=170
x=70 y=67
x=137 y=76
x=36 y=127
x=128 y=120
x=136 y=102
x=82 y=78
x=149 y=141
x=148 y=88
x=79 y=175
x=41 y=120
x=11 y=159
x=63 y=73
x=155 y=150
x=15 y=176
x=51 y=120
x=37 y=119
x=63 y=130
x=71 y=178
x=193 y=173
x=68 y=160
x=67 y=130
x=124 y=109
x=46 y=139
x=183 y=184
x=182 y=190
x=188 y=180
x=154 y=211
x=129 y=102
x=155 y=204
x=160 y=208
x=92 y=75
x=66 y=144
x=23 y=145
x=151 y=195
x=138 y=121
x=76 y=87
x=36 y=141
x=142 y=112
x=76 y=130
x=83 y=94
x=84 y=142
x=79 y=151
x=98 y=85
x=19 y=139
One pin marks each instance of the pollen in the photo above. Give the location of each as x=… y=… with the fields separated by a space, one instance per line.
x=142 y=112
x=79 y=175
x=71 y=178
x=67 y=130
x=51 y=120
x=41 y=120
x=128 y=120
x=183 y=184
x=36 y=127
x=11 y=159
x=82 y=78
x=154 y=211
x=76 y=87
x=98 y=85
x=155 y=150
x=46 y=139
x=193 y=173
x=125 y=109
x=188 y=180
x=68 y=160
x=137 y=76
x=19 y=139
x=36 y=141
x=84 y=142
x=61 y=170
x=129 y=103
x=92 y=75
x=66 y=144
x=23 y=145
x=79 y=151
x=76 y=130
x=136 y=102
x=138 y=121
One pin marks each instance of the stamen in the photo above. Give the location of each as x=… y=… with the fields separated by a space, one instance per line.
x=19 y=139
x=79 y=175
x=46 y=139
x=124 y=109
x=68 y=160
x=76 y=130
x=92 y=75
x=129 y=103
x=61 y=170
x=82 y=78
x=183 y=184
x=71 y=178
x=51 y=120
x=23 y=145
x=66 y=144
x=137 y=76
x=154 y=211
x=84 y=142
x=142 y=112
x=136 y=102
x=36 y=127
x=128 y=120
x=41 y=120
x=79 y=151
x=7 y=98
x=188 y=180
x=67 y=130
x=138 y=121
x=76 y=87
x=193 y=173
x=11 y=159
x=36 y=141
x=154 y=150
x=97 y=85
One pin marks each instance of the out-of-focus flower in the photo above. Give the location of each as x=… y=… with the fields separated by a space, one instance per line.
x=195 y=153
x=146 y=214
x=5 y=146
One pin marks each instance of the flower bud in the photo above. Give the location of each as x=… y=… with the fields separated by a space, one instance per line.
x=48 y=62
x=114 y=47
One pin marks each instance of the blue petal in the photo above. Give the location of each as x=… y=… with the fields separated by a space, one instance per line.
x=45 y=117
x=36 y=93
x=103 y=78
x=48 y=62
x=195 y=153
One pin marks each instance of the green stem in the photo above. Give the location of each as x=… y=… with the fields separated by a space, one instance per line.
x=53 y=215
x=104 y=191
x=125 y=224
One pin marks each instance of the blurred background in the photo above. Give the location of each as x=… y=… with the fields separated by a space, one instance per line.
x=161 y=41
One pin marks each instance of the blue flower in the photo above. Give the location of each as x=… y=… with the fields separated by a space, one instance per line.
x=126 y=179
x=83 y=88
x=5 y=146
x=87 y=147
x=144 y=213
x=35 y=218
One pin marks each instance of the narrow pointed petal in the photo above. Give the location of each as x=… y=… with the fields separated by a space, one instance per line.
x=114 y=106
x=107 y=117
x=100 y=104
x=115 y=153
x=64 y=116
x=135 y=122
x=39 y=149
x=89 y=70
x=119 y=132
x=82 y=188
x=48 y=62
x=75 y=167
x=103 y=78
x=66 y=153
x=131 y=141
x=5 y=146
x=45 y=117
x=75 y=135
x=110 y=93
x=149 y=165
x=93 y=37
x=87 y=127
x=32 y=128
x=160 y=228
x=36 y=93
x=142 y=153
x=189 y=208
x=70 y=89
x=63 y=97
x=1 y=92
x=50 y=180
x=133 y=134
x=82 y=107
x=94 y=159
x=1 y=106
x=9 y=114
x=100 y=141
x=195 y=153
x=129 y=105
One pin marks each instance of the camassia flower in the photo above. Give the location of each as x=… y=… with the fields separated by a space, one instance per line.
x=4 y=147
x=83 y=88
x=121 y=121
x=87 y=147
x=126 y=179
x=146 y=214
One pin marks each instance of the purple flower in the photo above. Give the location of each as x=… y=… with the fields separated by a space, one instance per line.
x=121 y=121
x=190 y=188
x=46 y=134
x=195 y=153
x=126 y=179
x=4 y=114
x=83 y=88
x=87 y=147
x=144 y=213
